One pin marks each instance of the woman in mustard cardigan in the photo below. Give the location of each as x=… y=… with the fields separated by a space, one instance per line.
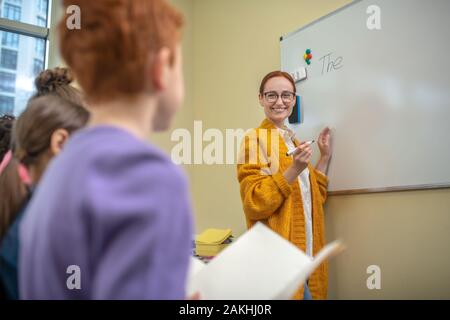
x=286 y=192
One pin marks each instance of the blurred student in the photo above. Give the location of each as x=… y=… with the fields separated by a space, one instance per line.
x=51 y=116
x=111 y=219
x=6 y=123
x=290 y=199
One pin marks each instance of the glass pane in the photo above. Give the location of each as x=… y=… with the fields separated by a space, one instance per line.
x=21 y=60
x=27 y=11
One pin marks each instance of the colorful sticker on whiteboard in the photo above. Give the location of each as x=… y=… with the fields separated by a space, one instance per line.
x=308 y=56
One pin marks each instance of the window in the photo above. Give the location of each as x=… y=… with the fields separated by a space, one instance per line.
x=22 y=50
x=25 y=11
x=41 y=22
x=8 y=59
x=18 y=69
x=7 y=81
x=42 y=6
x=40 y=47
x=10 y=39
x=38 y=66
x=11 y=12
x=6 y=105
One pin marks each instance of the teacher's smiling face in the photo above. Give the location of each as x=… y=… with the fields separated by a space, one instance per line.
x=277 y=99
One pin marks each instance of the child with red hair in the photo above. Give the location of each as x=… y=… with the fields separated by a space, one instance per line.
x=111 y=218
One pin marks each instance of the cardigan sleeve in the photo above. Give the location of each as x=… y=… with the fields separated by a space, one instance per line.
x=322 y=181
x=261 y=194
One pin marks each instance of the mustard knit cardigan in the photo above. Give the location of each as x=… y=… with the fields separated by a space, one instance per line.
x=271 y=200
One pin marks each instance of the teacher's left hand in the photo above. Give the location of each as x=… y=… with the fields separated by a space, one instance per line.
x=325 y=143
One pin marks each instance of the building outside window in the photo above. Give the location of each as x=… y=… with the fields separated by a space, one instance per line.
x=10 y=40
x=38 y=66
x=41 y=22
x=42 y=7
x=22 y=51
x=8 y=59
x=7 y=82
x=7 y=104
x=11 y=12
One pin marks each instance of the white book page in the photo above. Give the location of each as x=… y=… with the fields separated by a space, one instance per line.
x=260 y=265
x=327 y=252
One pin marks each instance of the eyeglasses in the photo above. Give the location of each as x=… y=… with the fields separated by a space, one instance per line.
x=286 y=96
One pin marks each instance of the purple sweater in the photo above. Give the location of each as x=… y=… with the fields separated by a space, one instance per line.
x=117 y=208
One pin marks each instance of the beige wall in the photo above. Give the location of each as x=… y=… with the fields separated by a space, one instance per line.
x=406 y=234
x=54 y=58
x=228 y=46
x=236 y=42
x=185 y=117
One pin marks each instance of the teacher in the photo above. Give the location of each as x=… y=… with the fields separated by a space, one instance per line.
x=287 y=197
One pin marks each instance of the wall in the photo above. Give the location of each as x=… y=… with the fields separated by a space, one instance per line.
x=235 y=44
x=184 y=118
x=54 y=58
x=229 y=45
x=404 y=233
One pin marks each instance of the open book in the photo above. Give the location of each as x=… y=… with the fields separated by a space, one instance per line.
x=259 y=265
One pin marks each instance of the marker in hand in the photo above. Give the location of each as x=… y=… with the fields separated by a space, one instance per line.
x=291 y=152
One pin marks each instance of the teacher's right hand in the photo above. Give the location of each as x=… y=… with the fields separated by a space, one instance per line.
x=302 y=156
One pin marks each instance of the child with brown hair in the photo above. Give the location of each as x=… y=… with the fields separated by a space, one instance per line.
x=39 y=134
x=6 y=123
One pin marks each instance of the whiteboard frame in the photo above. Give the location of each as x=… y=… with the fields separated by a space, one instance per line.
x=365 y=190
x=318 y=20
x=419 y=187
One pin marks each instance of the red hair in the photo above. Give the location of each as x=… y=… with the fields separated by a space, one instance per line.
x=110 y=52
x=275 y=74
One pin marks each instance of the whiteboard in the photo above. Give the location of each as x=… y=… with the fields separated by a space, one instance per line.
x=386 y=93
